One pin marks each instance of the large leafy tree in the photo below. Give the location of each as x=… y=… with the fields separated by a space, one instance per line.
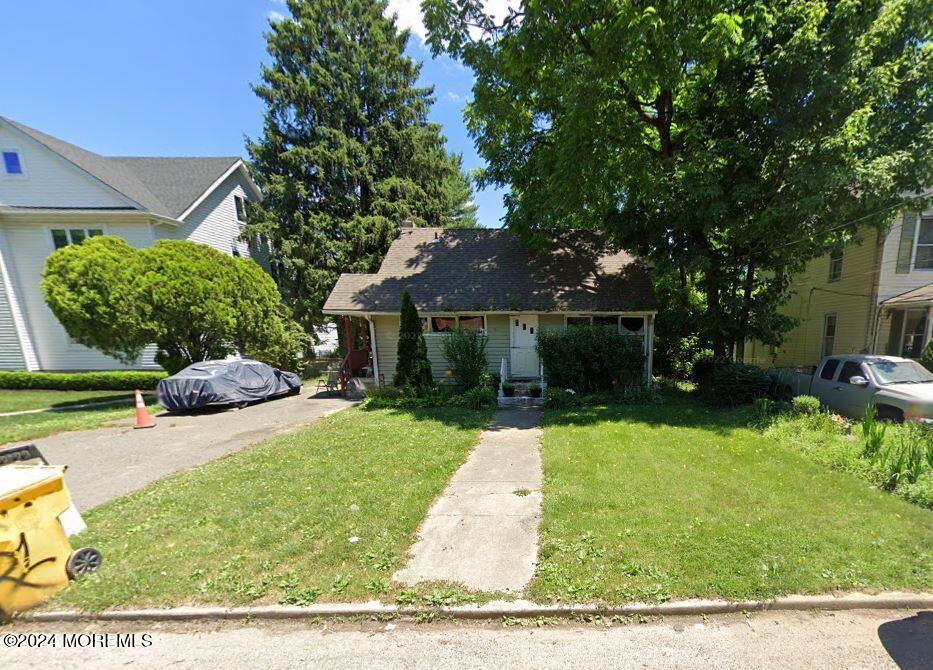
x=193 y=302
x=347 y=152
x=728 y=141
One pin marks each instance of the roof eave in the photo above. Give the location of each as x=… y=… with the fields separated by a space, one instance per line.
x=237 y=165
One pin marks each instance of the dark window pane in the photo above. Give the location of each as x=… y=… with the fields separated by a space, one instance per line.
x=633 y=324
x=830 y=330
x=77 y=235
x=60 y=238
x=578 y=321
x=612 y=321
x=829 y=369
x=850 y=369
x=443 y=324
x=11 y=162
x=925 y=233
x=240 y=207
x=472 y=322
x=924 y=260
x=94 y=232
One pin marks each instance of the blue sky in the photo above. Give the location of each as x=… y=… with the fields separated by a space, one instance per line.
x=137 y=77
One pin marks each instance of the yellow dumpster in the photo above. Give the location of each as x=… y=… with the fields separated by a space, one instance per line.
x=36 y=517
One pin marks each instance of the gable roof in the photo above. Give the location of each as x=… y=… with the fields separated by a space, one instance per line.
x=922 y=294
x=461 y=270
x=164 y=186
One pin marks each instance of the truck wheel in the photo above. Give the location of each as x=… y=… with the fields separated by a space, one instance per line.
x=888 y=413
x=82 y=562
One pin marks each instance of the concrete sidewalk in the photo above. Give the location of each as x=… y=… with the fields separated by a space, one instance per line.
x=483 y=530
x=107 y=463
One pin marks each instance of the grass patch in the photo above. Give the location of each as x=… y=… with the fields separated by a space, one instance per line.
x=326 y=514
x=680 y=500
x=34 y=426
x=15 y=401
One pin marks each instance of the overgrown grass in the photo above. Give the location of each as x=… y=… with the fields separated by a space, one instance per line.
x=324 y=514
x=34 y=426
x=15 y=401
x=681 y=500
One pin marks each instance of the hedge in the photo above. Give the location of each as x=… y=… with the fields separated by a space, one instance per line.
x=110 y=380
x=589 y=359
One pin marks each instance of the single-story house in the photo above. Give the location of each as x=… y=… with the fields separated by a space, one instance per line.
x=484 y=279
x=53 y=194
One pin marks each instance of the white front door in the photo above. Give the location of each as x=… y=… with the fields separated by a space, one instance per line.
x=524 y=329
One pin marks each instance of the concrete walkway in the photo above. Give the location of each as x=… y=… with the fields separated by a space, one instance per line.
x=107 y=463
x=483 y=530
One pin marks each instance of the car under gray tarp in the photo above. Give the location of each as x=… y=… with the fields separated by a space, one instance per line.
x=233 y=382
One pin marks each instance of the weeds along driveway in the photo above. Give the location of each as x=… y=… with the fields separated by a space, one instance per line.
x=325 y=513
x=106 y=463
x=680 y=500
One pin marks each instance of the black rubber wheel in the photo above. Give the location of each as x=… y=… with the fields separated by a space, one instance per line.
x=82 y=562
x=892 y=414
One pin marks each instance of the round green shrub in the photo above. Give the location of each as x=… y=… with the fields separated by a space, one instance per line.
x=806 y=405
x=738 y=384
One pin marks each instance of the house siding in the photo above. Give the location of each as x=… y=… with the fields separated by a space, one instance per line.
x=49 y=180
x=851 y=298
x=11 y=352
x=890 y=282
x=214 y=221
x=386 y=328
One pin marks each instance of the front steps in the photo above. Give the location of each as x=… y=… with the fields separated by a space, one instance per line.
x=522 y=397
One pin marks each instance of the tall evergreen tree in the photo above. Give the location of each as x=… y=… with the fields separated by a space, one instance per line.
x=460 y=210
x=412 y=368
x=347 y=152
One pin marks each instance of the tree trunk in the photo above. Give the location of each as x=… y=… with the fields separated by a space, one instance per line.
x=747 y=288
x=713 y=316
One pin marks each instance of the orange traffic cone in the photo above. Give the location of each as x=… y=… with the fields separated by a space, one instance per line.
x=143 y=417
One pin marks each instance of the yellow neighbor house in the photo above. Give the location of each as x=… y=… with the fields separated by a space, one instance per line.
x=872 y=296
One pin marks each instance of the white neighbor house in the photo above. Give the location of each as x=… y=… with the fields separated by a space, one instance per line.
x=53 y=194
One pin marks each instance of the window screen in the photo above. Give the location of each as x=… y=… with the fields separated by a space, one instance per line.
x=443 y=324
x=475 y=323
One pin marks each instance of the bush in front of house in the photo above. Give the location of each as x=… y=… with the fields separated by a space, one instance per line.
x=412 y=370
x=465 y=351
x=558 y=398
x=806 y=405
x=193 y=302
x=109 y=380
x=590 y=359
x=738 y=384
x=389 y=397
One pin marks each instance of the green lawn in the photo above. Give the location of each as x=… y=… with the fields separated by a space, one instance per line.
x=680 y=500
x=274 y=522
x=33 y=426
x=14 y=401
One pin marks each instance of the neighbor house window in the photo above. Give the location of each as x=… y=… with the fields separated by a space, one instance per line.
x=829 y=334
x=923 y=260
x=835 y=264
x=62 y=237
x=578 y=321
x=240 y=203
x=908 y=327
x=11 y=162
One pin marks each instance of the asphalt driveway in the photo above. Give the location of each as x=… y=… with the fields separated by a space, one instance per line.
x=107 y=463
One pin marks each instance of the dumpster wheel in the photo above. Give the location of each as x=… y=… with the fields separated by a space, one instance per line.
x=82 y=562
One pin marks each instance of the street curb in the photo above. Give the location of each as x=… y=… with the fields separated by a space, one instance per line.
x=496 y=609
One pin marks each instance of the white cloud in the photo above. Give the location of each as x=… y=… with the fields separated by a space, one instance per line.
x=275 y=16
x=454 y=97
x=408 y=15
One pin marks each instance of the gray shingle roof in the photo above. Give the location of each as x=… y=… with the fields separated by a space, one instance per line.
x=922 y=294
x=453 y=270
x=165 y=186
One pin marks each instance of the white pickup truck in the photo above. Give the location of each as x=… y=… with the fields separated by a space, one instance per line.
x=850 y=384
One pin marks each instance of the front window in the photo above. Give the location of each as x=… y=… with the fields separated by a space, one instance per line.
x=62 y=237
x=850 y=369
x=474 y=323
x=240 y=203
x=633 y=324
x=829 y=334
x=443 y=324
x=12 y=163
x=924 y=256
x=908 y=330
x=835 y=264
x=609 y=321
x=900 y=372
x=578 y=321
